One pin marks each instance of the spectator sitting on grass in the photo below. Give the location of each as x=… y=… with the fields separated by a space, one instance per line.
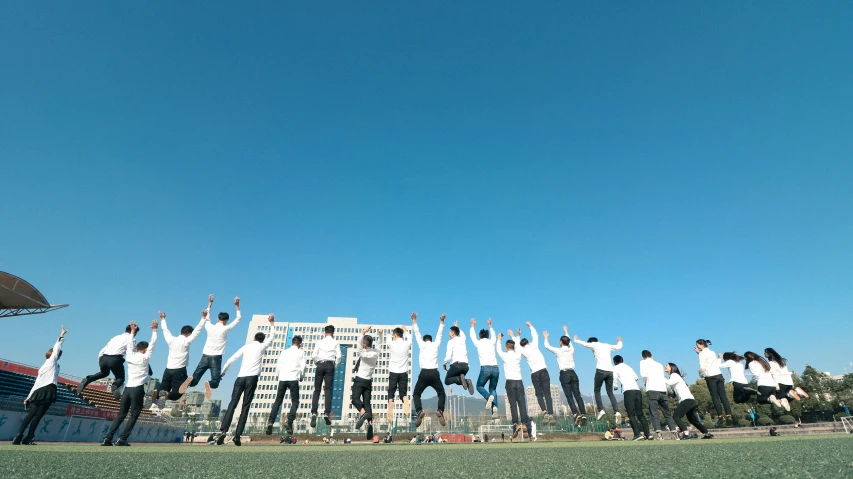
x=773 y=432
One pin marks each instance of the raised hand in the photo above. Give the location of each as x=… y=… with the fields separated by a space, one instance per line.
x=204 y=313
x=271 y=318
x=442 y=317
x=414 y=318
x=210 y=299
x=545 y=334
x=519 y=332
x=576 y=337
x=237 y=301
x=134 y=327
x=528 y=324
x=63 y=331
x=489 y=322
x=366 y=330
x=154 y=324
x=162 y=315
x=618 y=339
x=510 y=332
x=473 y=322
x=456 y=323
x=566 y=329
x=405 y=329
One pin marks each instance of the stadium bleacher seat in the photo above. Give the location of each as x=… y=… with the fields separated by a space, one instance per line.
x=19 y=385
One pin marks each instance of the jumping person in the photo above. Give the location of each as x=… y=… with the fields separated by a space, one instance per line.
x=709 y=368
x=326 y=356
x=42 y=394
x=429 y=375
x=247 y=381
x=515 y=395
x=111 y=360
x=214 y=348
x=633 y=398
x=538 y=373
x=457 y=356
x=741 y=390
x=138 y=375
x=780 y=373
x=400 y=349
x=362 y=384
x=653 y=377
x=603 y=372
x=767 y=386
x=291 y=368
x=176 y=366
x=568 y=378
x=686 y=402
x=489 y=372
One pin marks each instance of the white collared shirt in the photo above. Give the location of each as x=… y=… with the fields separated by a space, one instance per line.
x=781 y=374
x=736 y=370
x=400 y=351
x=512 y=362
x=428 y=356
x=291 y=364
x=137 y=363
x=217 y=333
x=532 y=354
x=762 y=377
x=709 y=363
x=367 y=359
x=601 y=351
x=626 y=375
x=327 y=349
x=682 y=390
x=653 y=375
x=252 y=354
x=117 y=346
x=456 y=350
x=565 y=355
x=485 y=347
x=49 y=371
x=179 y=346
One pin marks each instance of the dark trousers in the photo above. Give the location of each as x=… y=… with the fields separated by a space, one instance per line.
x=688 y=408
x=659 y=403
x=717 y=388
x=542 y=387
x=131 y=400
x=323 y=377
x=739 y=393
x=398 y=382
x=454 y=374
x=605 y=378
x=764 y=393
x=214 y=363
x=171 y=382
x=283 y=387
x=572 y=389
x=782 y=393
x=634 y=407
x=516 y=397
x=34 y=414
x=109 y=364
x=428 y=378
x=361 y=389
x=243 y=386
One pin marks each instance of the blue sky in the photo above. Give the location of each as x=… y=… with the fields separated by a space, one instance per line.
x=654 y=170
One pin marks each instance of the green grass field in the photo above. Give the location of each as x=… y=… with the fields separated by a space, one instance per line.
x=818 y=456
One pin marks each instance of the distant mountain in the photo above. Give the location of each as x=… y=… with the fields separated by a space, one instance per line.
x=475 y=404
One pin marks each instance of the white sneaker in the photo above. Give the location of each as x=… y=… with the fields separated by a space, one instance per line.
x=618 y=417
x=775 y=401
x=489 y=403
x=600 y=415
x=785 y=404
x=495 y=414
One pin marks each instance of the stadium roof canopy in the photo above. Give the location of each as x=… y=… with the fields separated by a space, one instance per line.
x=19 y=298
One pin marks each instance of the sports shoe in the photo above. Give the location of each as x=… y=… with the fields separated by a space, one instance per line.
x=236 y=441
x=441 y=420
x=577 y=419
x=584 y=420
x=17 y=440
x=268 y=430
x=208 y=391
x=117 y=393
x=185 y=385
x=489 y=402
x=721 y=420
x=369 y=434
x=122 y=442
x=495 y=414
x=106 y=442
x=470 y=385
x=515 y=431
x=639 y=437
x=775 y=401
x=785 y=404
x=658 y=436
x=793 y=395
x=801 y=392
x=729 y=420
x=708 y=435
x=618 y=417
x=220 y=439
x=600 y=415
x=361 y=420
x=81 y=387
x=420 y=419
x=327 y=419
x=314 y=420
x=288 y=426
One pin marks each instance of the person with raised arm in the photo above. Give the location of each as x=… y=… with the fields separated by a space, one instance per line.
x=214 y=348
x=489 y=372
x=538 y=373
x=709 y=368
x=656 y=391
x=429 y=377
x=568 y=377
x=133 y=395
x=515 y=394
x=175 y=374
x=457 y=357
x=111 y=360
x=362 y=385
x=603 y=372
x=291 y=368
x=400 y=349
x=246 y=383
x=326 y=356
x=633 y=398
x=42 y=394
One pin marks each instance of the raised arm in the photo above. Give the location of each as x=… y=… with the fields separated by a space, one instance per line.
x=416 y=331
x=499 y=347
x=167 y=335
x=618 y=344
x=582 y=343
x=271 y=336
x=196 y=331
x=472 y=333
x=58 y=346
x=548 y=346
x=440 y=330
x=150 y=350
x=492 y=337
x=534 y=336
x=237 y=317
x=205 y=314
x=234 y=357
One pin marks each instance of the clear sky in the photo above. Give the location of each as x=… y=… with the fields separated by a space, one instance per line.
x=657 y=170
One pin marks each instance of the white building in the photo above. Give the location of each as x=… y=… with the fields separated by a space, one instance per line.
x=533 y=409
x=348 y=333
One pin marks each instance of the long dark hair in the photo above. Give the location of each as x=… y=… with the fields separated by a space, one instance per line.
x=704 y=342
x=732 y=356
x=750 y=357
x=674 y=370
x=774 y=356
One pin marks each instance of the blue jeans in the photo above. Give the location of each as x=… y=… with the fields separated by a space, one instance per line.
x=489 y=374
x=214 y=363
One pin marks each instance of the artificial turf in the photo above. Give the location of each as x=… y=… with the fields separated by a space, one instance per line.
x=801 y=457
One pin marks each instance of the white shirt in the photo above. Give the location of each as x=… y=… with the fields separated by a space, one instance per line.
x=253 y=354
x=400 y=349
x=291 y=364
x=626 y=376
x=137 y=363
x=49 y=371
x=368 y=359
x=179 y=346
x=709 y=363
x=736 y=370
x=532 y=354
x=428 y=356
x=565 y=355
x=456 y=350
x=512 y=362
x=217 y=333
x=327 y=349
x=762 y=377
x=653 y=375
x=676 y=382
x=117 y=346
x=781 y=374
x=601 y=351
x=485 y=347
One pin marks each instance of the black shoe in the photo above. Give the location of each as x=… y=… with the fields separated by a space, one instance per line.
x=360 y=421
x=107 y=442
x=369 y=432
x=314 y=420
x=268 y=430
x=288 y=426
x=17 y=440
x=708 y=435
x=327 y=419
x=440 y=416
x=122 y=442
x=420 y=419
x=470 y=386
x=220 y=439
x=81 y=387
x=117 y=394
x=236 y=441
x=28 y=442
